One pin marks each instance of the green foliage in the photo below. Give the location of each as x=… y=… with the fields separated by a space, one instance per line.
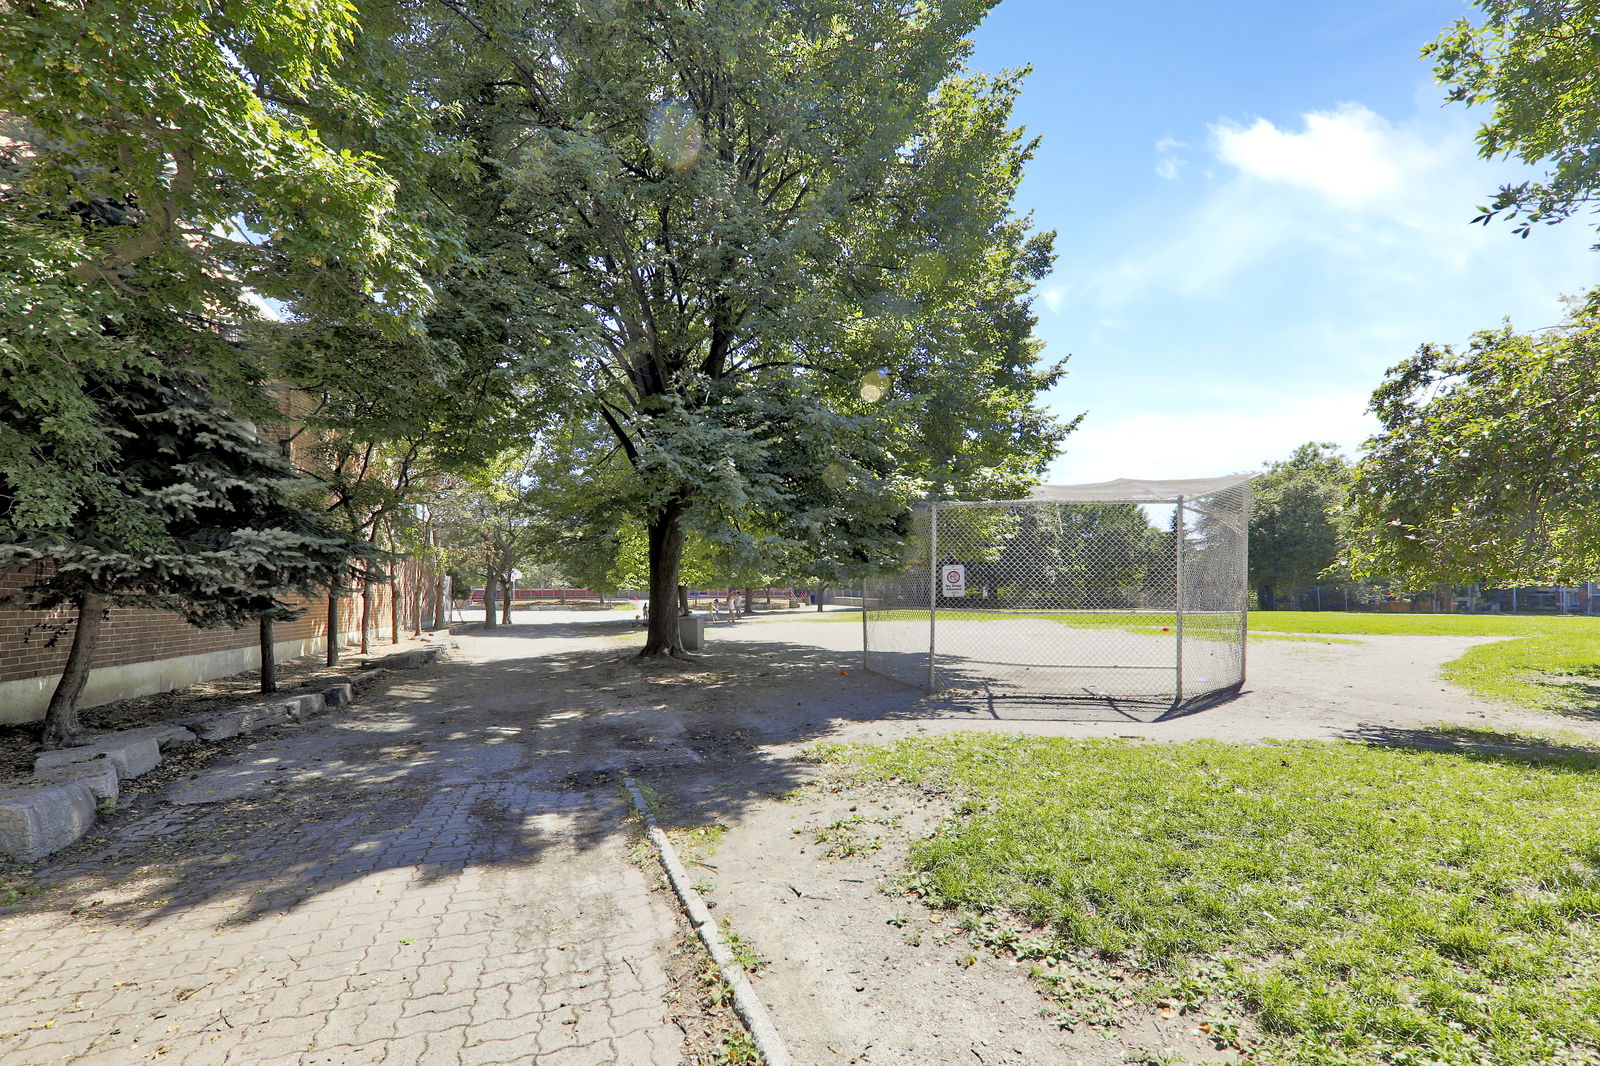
x=766 y=249
x=137 y=136
x=1486 y=464
x=1350 y=905
x=203 y=519
x=1295 y=531
x=1062 y=556
x=1538 y=64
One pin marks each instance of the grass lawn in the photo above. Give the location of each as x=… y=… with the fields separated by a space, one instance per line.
x=1196 y=626
x=1549 y=663
x=1313 y=904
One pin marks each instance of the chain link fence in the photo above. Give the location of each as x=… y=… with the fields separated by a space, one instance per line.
x=1125 y=591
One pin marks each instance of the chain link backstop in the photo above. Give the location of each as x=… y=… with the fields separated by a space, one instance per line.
x=1125 y=590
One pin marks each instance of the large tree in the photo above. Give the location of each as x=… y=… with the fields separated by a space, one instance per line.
x=206 y=521
x=1295 y=524
x=768 y=247
x=160 y=162
x=1488 y=461
x=1536 y=63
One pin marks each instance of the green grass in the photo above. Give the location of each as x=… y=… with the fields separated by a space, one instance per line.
x=1343 y=904
x=1547 y=663
x=1377 y=623
x=1196 y=626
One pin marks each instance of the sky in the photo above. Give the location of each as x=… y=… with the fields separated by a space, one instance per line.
x=1260 y=207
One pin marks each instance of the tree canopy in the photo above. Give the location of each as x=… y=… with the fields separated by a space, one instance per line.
x=161 y=164
x=1487 y=463
x=1537 y=64
x=1295 y=524
x=767 y=248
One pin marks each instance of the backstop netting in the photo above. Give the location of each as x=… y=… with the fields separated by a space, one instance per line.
x=1126 y=589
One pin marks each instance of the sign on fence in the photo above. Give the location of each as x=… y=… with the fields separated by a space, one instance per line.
x=953 y=579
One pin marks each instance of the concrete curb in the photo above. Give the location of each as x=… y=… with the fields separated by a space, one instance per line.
x=746 y=1003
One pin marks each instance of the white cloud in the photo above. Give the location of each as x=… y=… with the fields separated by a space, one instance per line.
x=1254 y=307
x=1350 y=155
x=1349 y=196
x=1233 y=431
x=1168 y=163
x=1053 y=296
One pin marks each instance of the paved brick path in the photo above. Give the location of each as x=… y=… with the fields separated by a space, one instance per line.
x=407 y=882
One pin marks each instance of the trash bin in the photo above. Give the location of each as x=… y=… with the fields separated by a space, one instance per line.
x=692 y=631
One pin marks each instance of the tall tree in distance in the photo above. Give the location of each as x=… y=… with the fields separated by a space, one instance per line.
x=1537 y=64
x=751 y=231
x=1295 y=533
x=1487 y=463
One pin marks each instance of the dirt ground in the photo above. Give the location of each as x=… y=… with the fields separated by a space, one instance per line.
x=805 y=871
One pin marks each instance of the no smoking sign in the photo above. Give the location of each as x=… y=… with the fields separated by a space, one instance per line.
x=953 y=579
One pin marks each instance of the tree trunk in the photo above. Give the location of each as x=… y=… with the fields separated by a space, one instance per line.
x=394 y=602
x=269 y=658
x=489 y=619
x=61 y=727
x=332 y=655
x=1265 y=598
x=437 y=585
x=821 y=589
x=366 y=615
x=746 y=603
x=509 y=594
x=666 y=550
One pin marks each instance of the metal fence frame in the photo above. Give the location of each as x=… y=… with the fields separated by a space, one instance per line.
x=1111 y=493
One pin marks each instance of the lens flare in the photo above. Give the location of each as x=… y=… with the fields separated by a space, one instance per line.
x=675 y=135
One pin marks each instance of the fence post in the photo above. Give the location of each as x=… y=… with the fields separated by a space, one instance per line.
x=1178 y=599
x=1244 y=568
x=933 y=590
x=866 y=590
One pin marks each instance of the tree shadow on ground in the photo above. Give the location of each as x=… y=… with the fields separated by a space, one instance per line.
x=493 y=763
x=1487 y=745
x=463 y=764
x=1573 y=693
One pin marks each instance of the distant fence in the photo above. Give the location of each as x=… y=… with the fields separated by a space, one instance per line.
x=542 y=594
x=695 y=595
x=1467 y=599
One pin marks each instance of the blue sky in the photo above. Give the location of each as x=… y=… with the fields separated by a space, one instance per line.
x=1260 y=207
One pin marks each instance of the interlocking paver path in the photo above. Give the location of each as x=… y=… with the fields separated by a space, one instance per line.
x=414 y=880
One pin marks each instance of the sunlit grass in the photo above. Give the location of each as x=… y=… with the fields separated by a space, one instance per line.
x=1349 y=905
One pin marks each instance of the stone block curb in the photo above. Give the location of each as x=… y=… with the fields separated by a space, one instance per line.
x=58 y=806
x=166 y=735
x=38 y=819
x=132 y=758
x=410 y=660
x=746 y=1003
x=99 y=774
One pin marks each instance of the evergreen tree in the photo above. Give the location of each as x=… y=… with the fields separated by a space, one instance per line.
x=201 y=518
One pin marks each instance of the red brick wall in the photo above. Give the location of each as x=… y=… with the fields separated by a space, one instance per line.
x=35 y=643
